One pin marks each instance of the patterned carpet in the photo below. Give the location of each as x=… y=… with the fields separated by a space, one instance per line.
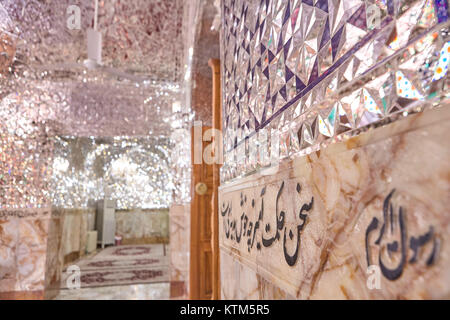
x=122 y=265
x=132 y=252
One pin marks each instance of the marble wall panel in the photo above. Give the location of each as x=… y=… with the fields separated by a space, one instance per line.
x=31 y=254
x=55 y=256
x=246 y=283
x=366 y=218
x=23 y=250
x=141 y=225
x=9 y=239
x=75 y=225
x=179 y=250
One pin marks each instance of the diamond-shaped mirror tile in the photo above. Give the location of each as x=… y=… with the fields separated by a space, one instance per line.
x=315 y=69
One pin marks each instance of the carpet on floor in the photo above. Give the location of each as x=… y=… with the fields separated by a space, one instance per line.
x=121 y=265
x=108 y=263
x=132 y=251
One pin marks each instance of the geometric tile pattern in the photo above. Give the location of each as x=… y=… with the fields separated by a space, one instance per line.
x=313 y=71
x=135 y=36
x=26 y=147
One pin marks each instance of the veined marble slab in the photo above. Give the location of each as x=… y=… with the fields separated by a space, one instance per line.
x=179 y=250
x=367 y=218
x=135 y=224
x=23 y=248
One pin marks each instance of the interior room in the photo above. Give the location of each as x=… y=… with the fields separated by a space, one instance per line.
x=94 y=146
x=224 y=149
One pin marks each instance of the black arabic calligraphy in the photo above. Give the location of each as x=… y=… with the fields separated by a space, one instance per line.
x=415 y=243
x=237 y=228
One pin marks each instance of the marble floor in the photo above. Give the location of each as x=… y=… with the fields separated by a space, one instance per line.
x=132 y=291
x=151 y=291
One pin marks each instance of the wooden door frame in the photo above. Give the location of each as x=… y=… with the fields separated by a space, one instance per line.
x=200 y=273
x=217 y=124
x=204 y=277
